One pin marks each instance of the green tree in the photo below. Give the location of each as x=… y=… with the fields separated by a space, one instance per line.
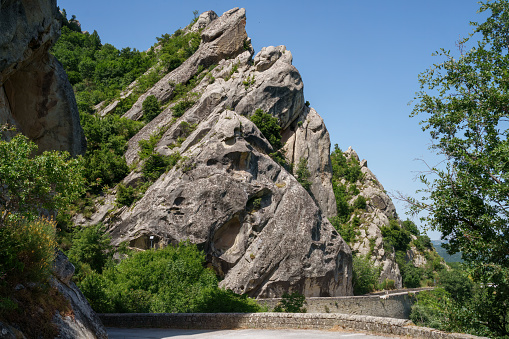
x=151 y=108
x=464 y=103
x=31 y=184
x=91 y=246
x=365 y=275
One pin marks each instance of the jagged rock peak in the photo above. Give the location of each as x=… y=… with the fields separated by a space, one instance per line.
x=35 y=95
x=223 y=38
x=204 y=20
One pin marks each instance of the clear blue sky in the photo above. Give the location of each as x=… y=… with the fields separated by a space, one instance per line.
x=359 y=61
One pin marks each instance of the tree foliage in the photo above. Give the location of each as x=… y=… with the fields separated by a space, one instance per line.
x=269 y=126
x=151 y=108
x=34 y=183
x=464 y=103
x=173 y=279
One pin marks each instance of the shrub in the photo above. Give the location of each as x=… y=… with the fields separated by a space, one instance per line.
x=27 y=251
x=344 y=169
x=303 y=174
x=388 y=284
x=147 y=146
x=410 y=274
x=365 y=275
x=395 y=236
x=347 y=230
x=182 y=106
x=342 y=205
x=91 y=246
x=173 y=279
x=411 y=227
x=430 y=308
x=125 y=195
x=291 y=303
x=156 y=164
x=360 y=203
x=269 y=126
x=151 y=108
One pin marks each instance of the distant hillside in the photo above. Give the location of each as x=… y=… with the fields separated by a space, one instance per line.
x=443 y=253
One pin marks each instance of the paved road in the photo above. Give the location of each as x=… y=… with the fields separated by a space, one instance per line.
x=157 y=333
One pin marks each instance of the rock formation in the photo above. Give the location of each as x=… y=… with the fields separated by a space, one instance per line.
x=37 y=98
x=379 y=211
x=83 y=322
x=35 y=95
x=261 y=230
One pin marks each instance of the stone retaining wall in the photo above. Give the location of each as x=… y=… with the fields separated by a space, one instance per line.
x=322 y=321
x=395 y=305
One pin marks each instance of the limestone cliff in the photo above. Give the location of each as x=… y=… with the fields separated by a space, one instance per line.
x=261 y=230
x=35 y=95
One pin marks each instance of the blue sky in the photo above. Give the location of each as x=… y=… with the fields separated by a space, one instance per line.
x=359 y=61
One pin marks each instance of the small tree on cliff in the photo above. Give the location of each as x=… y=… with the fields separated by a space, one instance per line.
x=465 y=101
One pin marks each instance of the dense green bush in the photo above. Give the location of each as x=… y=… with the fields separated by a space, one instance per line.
x=125 y=195
x=291 y=303
x=359 y=203
x=343 y=168
x=411 y=227
x=410 y=275
x=151 y=108
x=27 y=250
x=182 y=106
x=348 y=230
x=396 y=236
x=156 y=164
x=90 y=249
x=342 y=205
x=173 y=279
x=365 y=275
x=106 y=143
x=269 y=126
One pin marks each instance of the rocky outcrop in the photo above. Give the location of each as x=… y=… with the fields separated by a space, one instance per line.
x=258 y=226
x=35 y=95
x=82 y=322
x=261 y=230
x=308 y=138
x=379 y=211
x=223 y=38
